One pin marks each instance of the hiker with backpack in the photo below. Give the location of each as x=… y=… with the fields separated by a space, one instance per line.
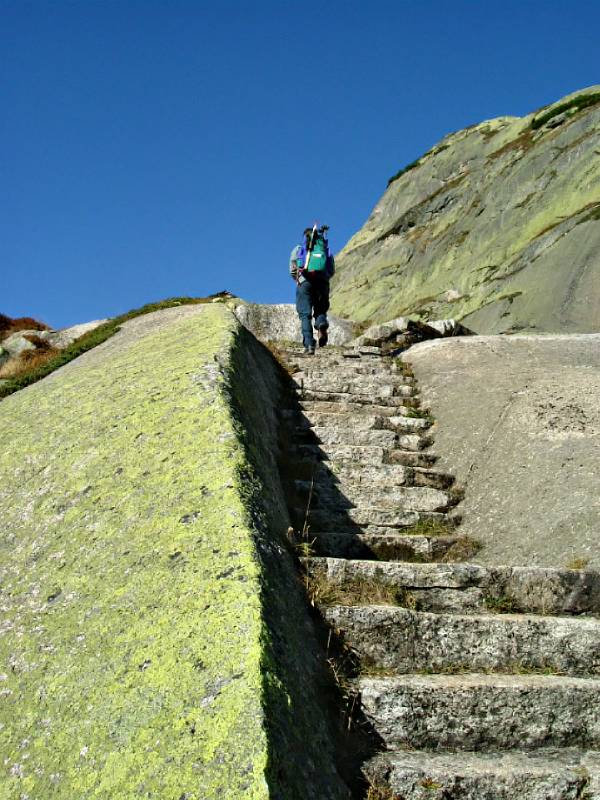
x=311 y=266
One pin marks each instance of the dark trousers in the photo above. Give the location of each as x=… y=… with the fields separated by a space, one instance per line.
x=312 y=299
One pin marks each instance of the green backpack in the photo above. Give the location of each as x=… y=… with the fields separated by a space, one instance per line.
x=318 y=255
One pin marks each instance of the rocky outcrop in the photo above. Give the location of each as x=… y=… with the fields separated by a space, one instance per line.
x=518 y=423
x=153 y=638
x=46 y=341
x=279 y=322
x=498 y=226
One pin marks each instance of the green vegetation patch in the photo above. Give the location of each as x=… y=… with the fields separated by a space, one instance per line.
x=132 y=631
x=417 y=162
x=575 y=104
x=88 y=341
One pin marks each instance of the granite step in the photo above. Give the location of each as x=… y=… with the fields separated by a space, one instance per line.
x=351 y=422
x=390 y=546
x=350 y=369
x=308 y=407
x=333 y=496
x=375 y=476
x=378 y=438
x=404 y=397
x=368 y=455
x=400 y=640
x=366 y=518
x=469 y=588
x=327 y=379
x=542 y=774
x=333 y=435
x=483 y=711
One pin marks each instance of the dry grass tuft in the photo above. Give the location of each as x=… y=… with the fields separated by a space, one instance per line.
x=463 y=549
x=378 y=791
x=577 y=563
x=357 y=592
x=27 y=361
x=429 y=527
x=502 y=604
x=8 y=325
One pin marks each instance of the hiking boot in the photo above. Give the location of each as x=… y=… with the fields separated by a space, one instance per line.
x=309 y=351
x=323 y=336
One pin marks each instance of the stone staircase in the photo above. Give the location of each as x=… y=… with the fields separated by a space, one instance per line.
x=478 y=683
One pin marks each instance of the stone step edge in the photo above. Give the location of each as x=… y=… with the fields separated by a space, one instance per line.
x=414 y=774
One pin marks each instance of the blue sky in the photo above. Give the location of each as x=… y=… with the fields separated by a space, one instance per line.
x=152 y=148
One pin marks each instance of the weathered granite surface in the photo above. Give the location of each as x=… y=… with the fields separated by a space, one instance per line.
x=279 y=322
x=498 y=226
x=518 y=423
x=138 y=656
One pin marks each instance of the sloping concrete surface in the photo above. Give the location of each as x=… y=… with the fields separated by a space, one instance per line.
x=518 y=422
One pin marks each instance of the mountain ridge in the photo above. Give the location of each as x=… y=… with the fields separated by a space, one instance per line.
x=474 y=227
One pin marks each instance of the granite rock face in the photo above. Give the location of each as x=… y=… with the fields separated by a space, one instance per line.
x=137 y=652
x=497 y=226
x=518 y=423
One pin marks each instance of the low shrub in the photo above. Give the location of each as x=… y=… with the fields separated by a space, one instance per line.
x=575 y=103
x=8 y=325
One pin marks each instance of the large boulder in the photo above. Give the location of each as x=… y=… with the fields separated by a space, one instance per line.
x=18 y=343
x=517 y=420
x=65 y=336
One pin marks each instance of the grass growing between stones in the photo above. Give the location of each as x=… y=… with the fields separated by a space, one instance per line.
x=577 y=563
x=377 y=791
x=356 y=592
x=33 y=370
x=429 y=527
x=463 y=549
x=502 y=604
x=419 y=413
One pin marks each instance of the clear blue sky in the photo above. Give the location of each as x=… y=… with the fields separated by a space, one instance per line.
x=152 y=148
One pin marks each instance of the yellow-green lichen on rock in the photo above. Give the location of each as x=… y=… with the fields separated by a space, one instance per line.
x=131 y=632
x=497 y=225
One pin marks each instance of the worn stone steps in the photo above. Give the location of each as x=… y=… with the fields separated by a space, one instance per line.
x=382 y=545
x=378 y=438
x=363 y=454
x=345 y=368
x=326 y=379
x=399 y=640
x=352 y=422
x=382 y=475
x=376 y=390
x=369 y=519
x=470 y=588
x=543 y=774
x=333 y=435
x=404 y=397
x=308 y=407
x=464 y=657
x=342 y=495
x=483 y=711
